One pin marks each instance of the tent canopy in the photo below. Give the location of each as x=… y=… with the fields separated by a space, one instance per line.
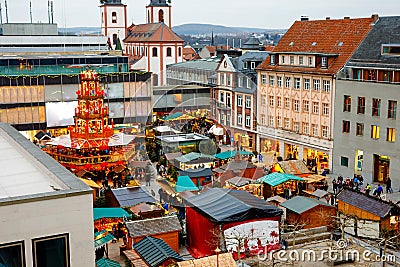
x=226 y=205
x=196 y=173
x=100 y=238
x=99 y=213
x=277 y=178
x=184 y=183
x=172 y=116
x=231 y=153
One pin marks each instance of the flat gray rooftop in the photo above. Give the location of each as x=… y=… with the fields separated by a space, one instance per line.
x=180 y=138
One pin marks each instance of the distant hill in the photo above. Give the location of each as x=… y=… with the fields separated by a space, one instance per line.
x=196 y=28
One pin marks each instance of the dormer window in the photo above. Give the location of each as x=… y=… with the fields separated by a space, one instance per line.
x=252 y=65
x=310 y=61
x=324 y=61
x=300 y=60
x=272 y=60
x=391 y=49
x=245 y=65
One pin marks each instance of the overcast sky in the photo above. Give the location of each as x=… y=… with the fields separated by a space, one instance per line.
x=246 y=13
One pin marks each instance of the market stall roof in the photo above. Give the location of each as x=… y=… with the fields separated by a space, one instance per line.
x=196 y=173
x=320 y=193
x=104 y=262
x=90 y=183
x=237 y=165
x=276 y=198
x=150 y=227
x=155 y=251
x=172 y=116
x=227 y=205
x=193 y=156
x=226 y=154
x=165 y=129
x=184 y=183
x=130 y=196
x=300 y=204
x=239 y=181
x=294 y=167
x=172 y=156
x=277 y=178
x=99 y=213
x=135 y=258
x=224 y=260
x=101 y=238
x=313 y=178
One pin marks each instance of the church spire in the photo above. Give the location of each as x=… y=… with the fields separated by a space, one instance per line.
x=212 y=37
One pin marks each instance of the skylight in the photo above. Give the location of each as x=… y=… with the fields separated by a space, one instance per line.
x=291 y=43
x=340 y=43
x=314 y=44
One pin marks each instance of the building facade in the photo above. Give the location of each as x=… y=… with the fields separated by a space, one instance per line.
x=57 y=207
x=114 y=21
x=159 y=11
x=297 y=86
x=367 y=99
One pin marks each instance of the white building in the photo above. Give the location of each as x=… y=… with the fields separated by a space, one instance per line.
x=46 y=212
x=114 y=21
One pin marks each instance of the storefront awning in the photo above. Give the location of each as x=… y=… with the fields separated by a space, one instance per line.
x=101 y=238
x=99 y=213
x=277 y=178
x=184 y=183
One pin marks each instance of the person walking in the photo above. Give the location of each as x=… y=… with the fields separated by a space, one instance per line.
x=379 y=191
x=389 y=186
x=334 y=185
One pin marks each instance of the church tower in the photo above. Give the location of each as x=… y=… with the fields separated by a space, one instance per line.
x=159 y=11
x=113 y=21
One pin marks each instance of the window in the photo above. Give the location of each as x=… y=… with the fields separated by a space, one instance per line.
x=325 y=131
x=287 y=123
x=252 y=65
x=228 y=80
x=279 y=81
x=264 y=79
x=179 y=51
x=278 y=121
x=248 y=102
x=279 y=101
x=306 y=106
x=287 y=82
x=314 y=128
x=306 y=84
x=296 y=126
x=245 y=65
x=315 y=107
x=114 y=17
x=301 y=60
x=248 y=121
x=222 y=97
x=263 y=100
x=376 y=107
x=344 y=161
x=324 y=62
x=347 y=103
x=155 y=52
x=239 y=100
x=287 y=102
x=248 y=83
x=360 y=129
x=327 y=86
x=361 y=105
x=239 y=119
x=228 y=100
x=291 y=60
x=115 y=38
x=271 y=100
x=306 y=128
x=375 y=131
x=346 y=127
x=262 y=119
x=283 y=59
x=392 y=109
x=272 y=80
x=310 y=61
x=391 y=135
x=317 y=85
x=271 y=121
x=240 y=81
x=12 y=254
x=51 y=251
x=296 y=105
x=222 y=77
x=325 y=109
x=272 y=60
x=169 y=52
x=297 y=83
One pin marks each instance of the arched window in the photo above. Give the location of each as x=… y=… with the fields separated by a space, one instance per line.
x=155 y=52
x=179 y=52
x=160 y=15
x=169 y=52
x=148 y=16
x=114 y=17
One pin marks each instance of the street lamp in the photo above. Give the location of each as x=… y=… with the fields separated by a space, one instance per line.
x=217 y=251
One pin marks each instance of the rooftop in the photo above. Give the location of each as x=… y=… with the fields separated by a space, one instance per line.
x=151 y=32
x=180 y=138
x=210 y=64
x=149 y=227
x=29 y=174
x=300 y=204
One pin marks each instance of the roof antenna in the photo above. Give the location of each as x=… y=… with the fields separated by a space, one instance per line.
x=6 y=11
x=52 y=12
x=48 y=10
x=1 y=15
x=30 y=9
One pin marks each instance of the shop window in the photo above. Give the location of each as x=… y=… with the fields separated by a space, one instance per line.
x=391 y=135
x=375 y=131
x=392 y=109
x=51 y=251
x=12 y=254
x=376 y=107
x=346 y=127
x=344 y=161
x=361 y=105
x=360 y=129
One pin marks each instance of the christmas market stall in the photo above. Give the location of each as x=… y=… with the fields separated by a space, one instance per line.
x=282 y=184
x=199 y=176
x=109 y=218
x=184 y=183
x=219 y=213
x=246 y=184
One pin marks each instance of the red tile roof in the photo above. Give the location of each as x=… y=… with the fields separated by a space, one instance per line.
x=151 y=32
x=189 y=53
x=269 y=47
x=336 y=37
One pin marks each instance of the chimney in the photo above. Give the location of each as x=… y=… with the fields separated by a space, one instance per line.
x=375 y=17
x=346 y=18
x=328 y=18
x=304 y=18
